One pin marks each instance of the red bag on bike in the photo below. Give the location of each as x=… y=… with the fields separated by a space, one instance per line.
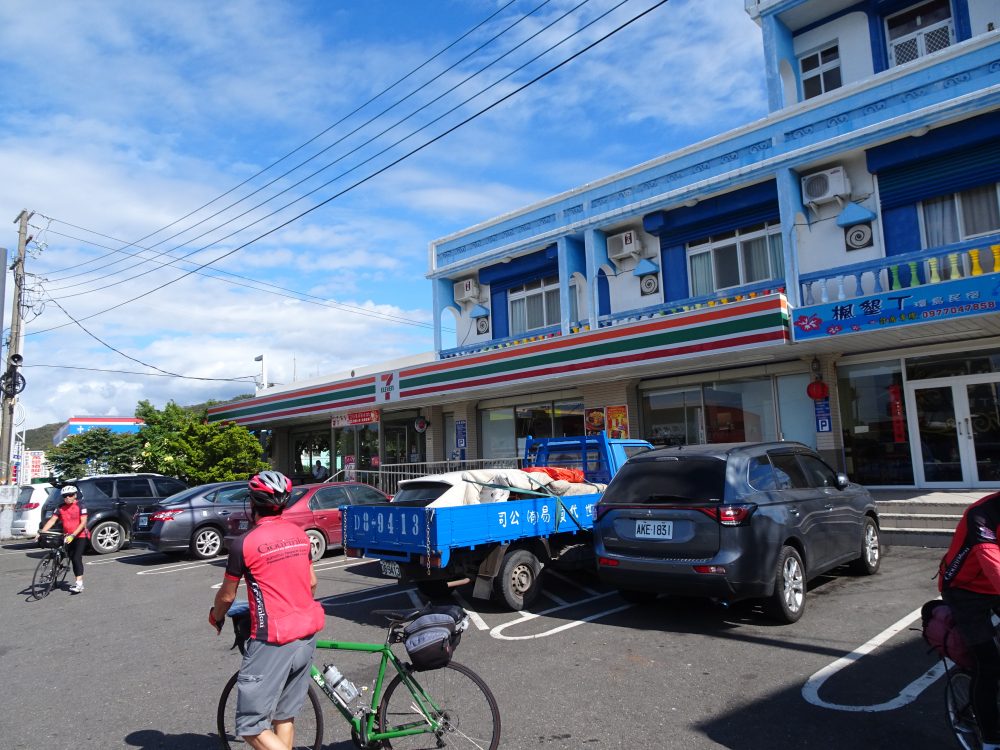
x=942 y=635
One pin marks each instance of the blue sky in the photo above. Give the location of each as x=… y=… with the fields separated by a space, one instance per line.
x=119 y=120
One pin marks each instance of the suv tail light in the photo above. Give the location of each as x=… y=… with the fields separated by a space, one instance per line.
x=734 y=514
x=164 y=515
x=27 y=506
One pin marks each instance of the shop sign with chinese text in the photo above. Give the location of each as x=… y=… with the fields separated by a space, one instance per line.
x=878 y=312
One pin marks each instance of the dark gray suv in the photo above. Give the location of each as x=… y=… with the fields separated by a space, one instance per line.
x=732 y=521
x=111 y=500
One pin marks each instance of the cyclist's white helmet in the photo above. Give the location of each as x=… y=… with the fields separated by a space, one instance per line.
x=69 y=489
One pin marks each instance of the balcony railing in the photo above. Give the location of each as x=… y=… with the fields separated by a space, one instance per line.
x=900 y=272
x=749 y=291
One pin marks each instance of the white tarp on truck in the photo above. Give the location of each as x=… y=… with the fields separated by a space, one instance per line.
x=498 y=485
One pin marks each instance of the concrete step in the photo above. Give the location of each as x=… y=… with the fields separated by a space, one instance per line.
x=916 y=537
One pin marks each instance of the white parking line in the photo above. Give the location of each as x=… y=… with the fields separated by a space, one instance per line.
x=339 y=564
x=478 y=621
x=810 y=691
x=496 y=632
x=175 y=568
x=335 y=599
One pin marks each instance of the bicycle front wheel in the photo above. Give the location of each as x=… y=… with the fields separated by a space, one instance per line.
x=308 y=724
x=958 y=699
x=466 y=710
x=45 y=576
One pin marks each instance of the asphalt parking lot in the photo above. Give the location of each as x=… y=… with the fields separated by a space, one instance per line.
x=132 y=662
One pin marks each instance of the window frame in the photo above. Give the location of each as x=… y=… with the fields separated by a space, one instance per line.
x=918 y=35
x=710 y=244
x=956 y=199
x=821 y=69
x=539 y=287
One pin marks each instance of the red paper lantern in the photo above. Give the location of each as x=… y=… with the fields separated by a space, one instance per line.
x=817 y=390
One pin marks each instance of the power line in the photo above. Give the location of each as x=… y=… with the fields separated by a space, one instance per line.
x=240 y=379
x=340 y=158
x=314 y=138
x=376 y=155
x=119 y=351
x=391 y=164
x=274 y=288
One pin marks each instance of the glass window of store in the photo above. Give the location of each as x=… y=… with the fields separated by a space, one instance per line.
x=873 y=417
x=740 y=411
x=505 y=429
x=673 y=417
x=344 y=451
x=308 y=448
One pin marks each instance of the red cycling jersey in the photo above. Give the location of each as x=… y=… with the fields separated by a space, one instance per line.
x=274 y=558
x=972 y=562
x=69 y=515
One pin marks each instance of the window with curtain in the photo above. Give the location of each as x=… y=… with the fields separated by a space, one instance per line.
x=961 y=216
x=535 y=304
x=735 y=258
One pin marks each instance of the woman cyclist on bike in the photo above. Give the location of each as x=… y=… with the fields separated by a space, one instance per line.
x=970 y=584
x=73 y=515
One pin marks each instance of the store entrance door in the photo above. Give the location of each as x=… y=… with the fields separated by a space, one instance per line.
x=955 y=430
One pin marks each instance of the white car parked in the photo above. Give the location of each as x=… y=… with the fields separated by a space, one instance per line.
x=28 y=510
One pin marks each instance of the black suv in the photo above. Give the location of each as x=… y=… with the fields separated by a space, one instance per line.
x=111 y=500
x=733 y=521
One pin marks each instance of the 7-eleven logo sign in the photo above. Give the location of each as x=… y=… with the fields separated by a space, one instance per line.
x=387 y=387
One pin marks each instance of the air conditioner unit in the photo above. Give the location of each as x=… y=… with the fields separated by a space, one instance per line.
x=823 y=187
x=467 y=291
x=624 y=245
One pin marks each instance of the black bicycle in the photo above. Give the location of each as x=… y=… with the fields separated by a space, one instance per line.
x=53 y=568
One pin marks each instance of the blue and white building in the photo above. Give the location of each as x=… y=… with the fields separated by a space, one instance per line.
x=828 y=274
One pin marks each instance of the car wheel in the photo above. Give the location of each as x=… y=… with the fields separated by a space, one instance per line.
x=789 y=598
x=206 y=543
x=517 y=583
x=871 y=550
x=107 y=537
x=637 y=597
x=317 y=544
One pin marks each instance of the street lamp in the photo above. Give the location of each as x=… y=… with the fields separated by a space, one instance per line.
x=263 y=372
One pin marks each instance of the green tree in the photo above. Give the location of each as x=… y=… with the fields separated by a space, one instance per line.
x=181 y=443
x=97 y=451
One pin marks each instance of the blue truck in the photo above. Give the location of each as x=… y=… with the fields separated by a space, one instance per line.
x=502 y=547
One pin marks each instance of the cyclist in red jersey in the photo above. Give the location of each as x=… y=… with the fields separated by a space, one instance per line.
x=73 y=515
x=970 y=584
x=273 y=557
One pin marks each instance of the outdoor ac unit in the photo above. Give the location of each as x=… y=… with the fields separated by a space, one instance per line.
x=624 y=245
x=825 y=186
x=467 y=291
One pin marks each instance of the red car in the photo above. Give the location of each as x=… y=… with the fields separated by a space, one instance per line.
x=316 y=509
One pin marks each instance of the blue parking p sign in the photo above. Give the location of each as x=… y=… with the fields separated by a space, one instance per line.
x=823 y=420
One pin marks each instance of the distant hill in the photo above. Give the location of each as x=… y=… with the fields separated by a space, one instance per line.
x=40 y=438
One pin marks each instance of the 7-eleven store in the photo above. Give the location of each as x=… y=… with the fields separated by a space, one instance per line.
x=720 y=373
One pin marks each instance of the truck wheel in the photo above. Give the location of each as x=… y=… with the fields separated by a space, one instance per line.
x=434 y=589
x=517 y=584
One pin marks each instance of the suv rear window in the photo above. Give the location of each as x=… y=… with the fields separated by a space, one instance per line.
x=420 y=493
x=668 y=480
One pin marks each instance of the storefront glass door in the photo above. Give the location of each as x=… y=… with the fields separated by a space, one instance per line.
x=957 y=430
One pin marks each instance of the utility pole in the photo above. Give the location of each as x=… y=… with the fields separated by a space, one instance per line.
x=14 y=357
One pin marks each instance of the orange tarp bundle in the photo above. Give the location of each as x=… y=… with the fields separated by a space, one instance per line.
x=558 y=472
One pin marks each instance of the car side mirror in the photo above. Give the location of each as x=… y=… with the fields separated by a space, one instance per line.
x=842 y=481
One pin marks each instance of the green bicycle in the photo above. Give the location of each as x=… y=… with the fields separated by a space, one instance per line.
x=434 y=707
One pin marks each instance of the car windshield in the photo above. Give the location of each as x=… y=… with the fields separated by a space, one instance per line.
x=420 y=493
x=672 y=480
